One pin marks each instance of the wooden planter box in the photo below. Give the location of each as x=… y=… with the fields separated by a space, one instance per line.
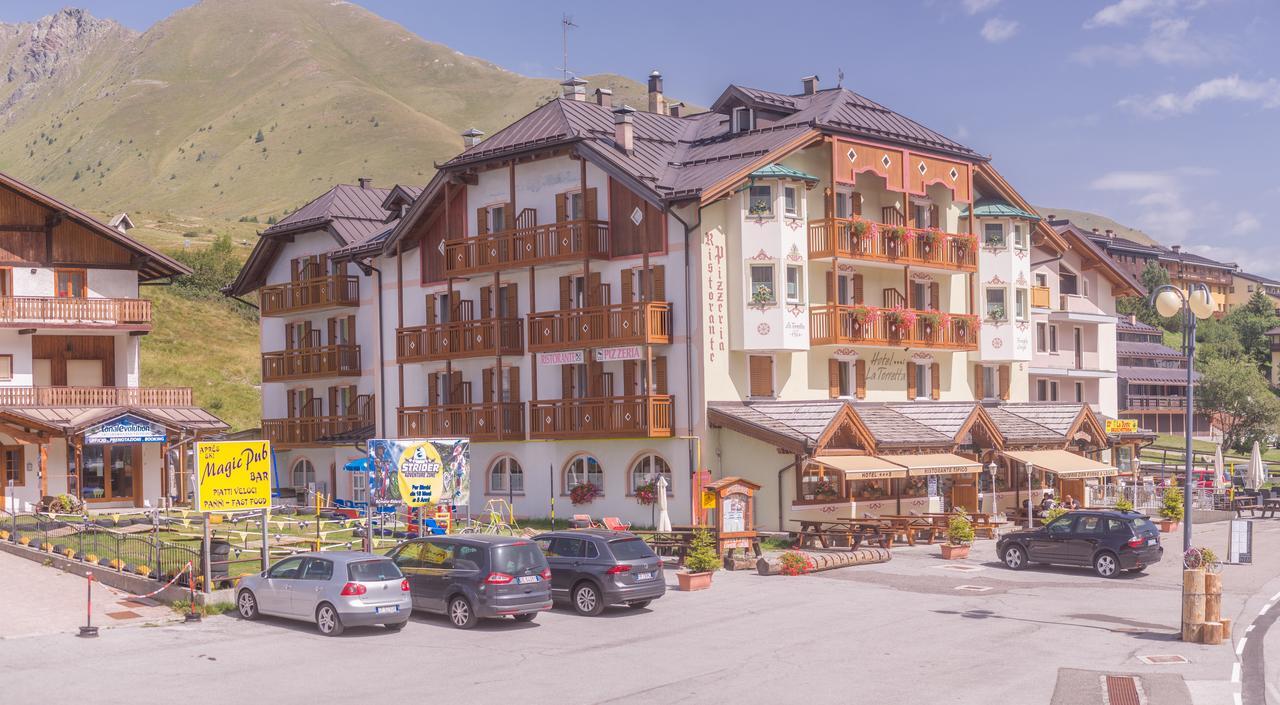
x=951 y=551
x=1168 y=525
x=693 y=581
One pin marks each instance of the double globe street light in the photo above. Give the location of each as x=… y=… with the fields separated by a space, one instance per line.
x=1194 y=305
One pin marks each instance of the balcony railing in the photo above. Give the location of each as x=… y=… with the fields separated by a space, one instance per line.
x=1154 y=401
x=834 y=324
x=523 y=247
x=311 y=363
x=603 y=417
x=95 y=396
x=1077 y=303
x=491 y=421
x=34 y=310
x=1040 y=297
x=857 y=238
x=333 y=291
x=634 y=323
x=459 y=339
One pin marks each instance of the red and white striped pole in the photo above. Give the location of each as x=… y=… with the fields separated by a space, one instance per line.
x=88 y=630
x=192 y=614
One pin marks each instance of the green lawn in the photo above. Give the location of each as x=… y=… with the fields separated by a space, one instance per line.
x=1178 y=443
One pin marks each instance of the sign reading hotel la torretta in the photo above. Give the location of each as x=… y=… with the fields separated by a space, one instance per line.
x=568 y=357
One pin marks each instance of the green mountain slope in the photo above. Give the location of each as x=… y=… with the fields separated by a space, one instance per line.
x=1089 y=221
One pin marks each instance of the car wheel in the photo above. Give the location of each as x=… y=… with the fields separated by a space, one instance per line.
x=586 y=600
x=1014 y=557
x=461 y=614
x=327 y=620
x=395 y=626
x=526 y=617
x=639 y=605
x=247 y=605
x=1106 y=565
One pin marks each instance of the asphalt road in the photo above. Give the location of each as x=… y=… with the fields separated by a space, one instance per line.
x=914 y=630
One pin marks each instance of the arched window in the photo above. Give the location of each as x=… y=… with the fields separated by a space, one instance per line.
x=506 y=476
x=583 y=469
x=304 y=473
x=647 y=468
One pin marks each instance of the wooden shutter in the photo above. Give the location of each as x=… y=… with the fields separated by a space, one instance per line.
x=589 y=204
x=935 y=296
x=562 y=207
x=761 y=375
x=833 y=378
x=510 y=299
x=828 y=203
x=977 y=383
x=628 y=378
x=566 y=381
x=1004 y=382
x=935 y=381
x=333 y=403
x=331 y=326
x=486 y=300
x=433 y=389
x=911 y=380
x=455 y=388
x=431 y=309
x=482 y=221
x=594 y=292
x=857 y=289
x=658 y=290
x=935 y=216
x=595 y=377
x=660 y=375
x=628 y=284
x=513 y=383
x=486 y=384
x=566 y=293
x=831 y=287
x=857 y=203
x=860 y=378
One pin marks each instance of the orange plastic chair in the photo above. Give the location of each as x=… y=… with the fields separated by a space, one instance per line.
x=615 y=524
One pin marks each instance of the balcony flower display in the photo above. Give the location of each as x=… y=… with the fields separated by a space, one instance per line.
x=964 y=243
x=862 y=315
x=860 y=228
x=900 y=319
x=825 y=489
x=647 y=493
x=929 y=238
x=760 y=208
x=763 y=295
x=894 y=236
x=929 y=322
x=995 y=312
x=583 y=494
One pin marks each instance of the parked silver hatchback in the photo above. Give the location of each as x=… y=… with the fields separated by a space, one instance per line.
x=335 y=589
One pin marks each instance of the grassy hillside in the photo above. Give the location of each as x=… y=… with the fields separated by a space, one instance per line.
x=1088 y=221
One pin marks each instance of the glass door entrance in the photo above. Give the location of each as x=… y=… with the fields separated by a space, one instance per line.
x=109 y=473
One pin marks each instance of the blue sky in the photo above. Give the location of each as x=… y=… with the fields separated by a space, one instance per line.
x=1162 y=114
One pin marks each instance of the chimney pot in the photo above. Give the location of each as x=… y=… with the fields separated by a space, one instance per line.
x=364 y=181
x=604 y=97
x=676 y=110
x=1176 y=248
x=1095 y=231
x=574 y=88
x=471 y=138
x=657 y=103
x=810 y=84
x=623 y=129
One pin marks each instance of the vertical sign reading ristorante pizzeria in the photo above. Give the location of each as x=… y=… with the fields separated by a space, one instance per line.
x=233 y=475
x=713 y=253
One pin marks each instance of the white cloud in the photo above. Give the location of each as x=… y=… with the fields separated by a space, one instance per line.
x=1160 y=196
x=1120 y=13
x=1246 y=222
x=1169 y=42
x=973 y=7
x=1134 y=181
x=998 y=29
x=1228 y=88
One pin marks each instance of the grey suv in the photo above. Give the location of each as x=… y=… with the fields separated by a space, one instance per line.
x=471 y=577
x=591 y=568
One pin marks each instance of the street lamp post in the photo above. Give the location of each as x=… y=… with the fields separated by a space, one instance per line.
x=1194 y=304
x=995 y=505
x=1031 y=507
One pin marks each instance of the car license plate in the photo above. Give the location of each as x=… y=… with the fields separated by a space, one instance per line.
x=387 y=609
x=644 y=576
x=1152 y=541
x=526 y=579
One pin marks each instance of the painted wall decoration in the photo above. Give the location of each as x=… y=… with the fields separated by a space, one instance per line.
x=713 y=286
x=886 y=367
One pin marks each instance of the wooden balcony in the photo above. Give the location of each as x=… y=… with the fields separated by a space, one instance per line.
x=484 y=337
x=1040 y=297
x=491 y=421
x=860 y=239
x=522 y=247
x=319 y=293
x=834 y=324
x=635 y=323
x=311 y=363
x=604 y=417
x=66 y=312
x=95 y=396
x=1154 y=402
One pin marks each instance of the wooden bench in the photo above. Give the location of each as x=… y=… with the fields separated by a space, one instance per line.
x=1247 y=505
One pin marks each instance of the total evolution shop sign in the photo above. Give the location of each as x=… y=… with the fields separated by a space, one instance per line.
x=125 y=429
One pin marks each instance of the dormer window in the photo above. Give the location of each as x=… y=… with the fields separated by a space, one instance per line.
x=744 y=119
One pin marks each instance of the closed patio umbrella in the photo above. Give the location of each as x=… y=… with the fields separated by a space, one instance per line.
x=1220 y=479
x=664 y=519
x=1256 y=474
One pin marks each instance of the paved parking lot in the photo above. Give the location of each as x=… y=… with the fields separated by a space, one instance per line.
x=910 y=631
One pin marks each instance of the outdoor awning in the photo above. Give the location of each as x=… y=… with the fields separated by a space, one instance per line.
x=1067 y=466
x=861 y=467
x=934 y=464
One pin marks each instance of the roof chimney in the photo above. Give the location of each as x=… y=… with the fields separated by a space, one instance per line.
x=1111 y=233
x=471 y=138
x=676 y=110
x=1052 y=217
x=810 y=84
x=604 y=97
x=623 y=129
x=657 y=103
x=575 y=88
x=1176 y=249
x=364 y=181
x=1095 y=231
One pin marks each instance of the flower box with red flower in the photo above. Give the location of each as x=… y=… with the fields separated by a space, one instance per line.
x=584 y=493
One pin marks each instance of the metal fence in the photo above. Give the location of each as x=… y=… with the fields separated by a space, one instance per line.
x=84 y=540
x=1147 y=498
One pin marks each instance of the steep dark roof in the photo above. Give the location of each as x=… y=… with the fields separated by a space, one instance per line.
x=1125 y=348
x=1120 y=243
x=1084 y=241
x=1193 y=258
x=1124 y=325
x=1155 y=375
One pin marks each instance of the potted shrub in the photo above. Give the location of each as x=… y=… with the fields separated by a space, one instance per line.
x=1124 y=505
x=795 y=563
x=826 y=489
x=584 y=493
x=959 y=535
x=702 y=561
x=1171 y=509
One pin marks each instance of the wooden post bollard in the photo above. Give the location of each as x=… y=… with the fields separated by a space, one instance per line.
x=1192 y=604
x=1212 y=597
x=1211 y=633
x=1226 y=629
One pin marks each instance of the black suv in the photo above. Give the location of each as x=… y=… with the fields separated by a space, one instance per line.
x=591 y=568
x=1106 y=539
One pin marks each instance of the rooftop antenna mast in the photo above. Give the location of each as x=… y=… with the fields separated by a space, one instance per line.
x=839 y=78
x=566 y=23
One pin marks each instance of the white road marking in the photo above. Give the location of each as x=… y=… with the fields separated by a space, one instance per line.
x=1275 y=597
x=1235 y=672
x=1240 y=646
x=1249 y=629
x=1264 y=609
x=1238 y=698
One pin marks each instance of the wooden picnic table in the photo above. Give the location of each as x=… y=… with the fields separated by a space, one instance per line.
x=908 y=526
x=856 y=530
x=1247 y=504
x=1270 y=507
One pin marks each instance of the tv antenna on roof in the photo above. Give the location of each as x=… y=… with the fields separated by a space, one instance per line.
x=566 y=23
x=839 y=78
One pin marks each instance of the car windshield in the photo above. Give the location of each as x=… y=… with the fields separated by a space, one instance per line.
x=373 y=571
x=517 y=558
x=1143 y=525
x=630 y=549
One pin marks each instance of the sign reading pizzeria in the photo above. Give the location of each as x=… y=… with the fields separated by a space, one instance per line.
x=625 y=352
